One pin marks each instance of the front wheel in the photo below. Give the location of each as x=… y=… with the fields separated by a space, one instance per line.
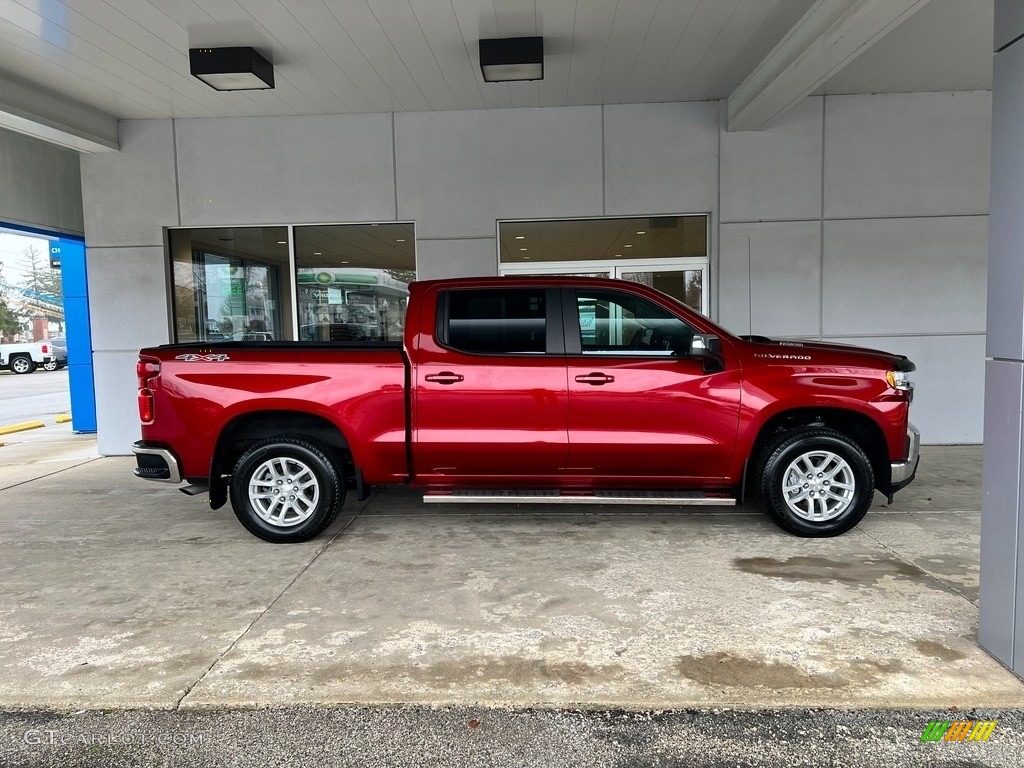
x=22 y=364
x=50 y=365
x=286 y=489
x=816 y=482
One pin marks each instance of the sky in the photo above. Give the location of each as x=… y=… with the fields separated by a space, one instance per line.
x=11 y=247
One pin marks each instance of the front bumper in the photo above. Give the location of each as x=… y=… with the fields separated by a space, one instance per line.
x=902 y=472
x=156 y=463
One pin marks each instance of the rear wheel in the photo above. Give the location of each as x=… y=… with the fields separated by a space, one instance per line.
x=816 y=482
x=22 y=364
x=286 y=489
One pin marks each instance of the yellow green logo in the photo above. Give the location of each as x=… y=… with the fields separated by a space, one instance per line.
x=958 y=730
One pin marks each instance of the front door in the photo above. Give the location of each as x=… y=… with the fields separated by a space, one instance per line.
x=639 y=405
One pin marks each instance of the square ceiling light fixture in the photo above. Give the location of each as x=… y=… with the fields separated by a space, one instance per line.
x=505 y=59
x=231 y=69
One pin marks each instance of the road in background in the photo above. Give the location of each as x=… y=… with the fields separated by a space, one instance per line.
x=39 y=395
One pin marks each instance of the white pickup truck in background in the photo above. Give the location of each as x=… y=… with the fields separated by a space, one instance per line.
x=25 y=358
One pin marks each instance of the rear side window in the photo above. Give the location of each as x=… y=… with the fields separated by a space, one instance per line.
x=496 y=321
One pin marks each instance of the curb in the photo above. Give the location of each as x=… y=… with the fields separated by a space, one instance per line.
x=64 y=418
x=21 y=427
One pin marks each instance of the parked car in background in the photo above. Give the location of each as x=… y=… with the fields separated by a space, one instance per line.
x=60 y=354
x=25 y=358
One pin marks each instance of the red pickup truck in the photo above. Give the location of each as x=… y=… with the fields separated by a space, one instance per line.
x=534 y=390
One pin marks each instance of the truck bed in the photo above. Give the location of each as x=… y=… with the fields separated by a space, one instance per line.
x=205 y=390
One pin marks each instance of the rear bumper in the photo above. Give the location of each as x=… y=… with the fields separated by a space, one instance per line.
x=902 y=472
x=156 y=463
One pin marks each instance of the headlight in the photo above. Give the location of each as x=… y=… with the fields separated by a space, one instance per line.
x=899 y=380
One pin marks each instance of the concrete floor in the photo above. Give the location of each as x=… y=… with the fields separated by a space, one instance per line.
x=121 y=594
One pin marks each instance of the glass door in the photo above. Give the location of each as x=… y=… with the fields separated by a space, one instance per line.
x=683 y=279
x=685 y=282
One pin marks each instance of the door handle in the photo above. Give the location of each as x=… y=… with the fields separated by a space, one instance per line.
x=596 y=379
x=444 y=377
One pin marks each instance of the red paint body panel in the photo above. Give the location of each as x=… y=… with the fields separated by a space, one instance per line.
x=658 y=417
x=523 y=420
x=361 y=392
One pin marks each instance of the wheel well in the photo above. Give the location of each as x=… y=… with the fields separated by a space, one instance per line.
x=249 y=428
x=858 y=427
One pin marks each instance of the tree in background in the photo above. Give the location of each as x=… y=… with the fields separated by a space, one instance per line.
x=31 y=263
x=10 y=323
x=43 y=282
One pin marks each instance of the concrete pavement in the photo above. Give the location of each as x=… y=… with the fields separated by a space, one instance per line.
x=38 y=395
x=125 y=594
x=365 y=737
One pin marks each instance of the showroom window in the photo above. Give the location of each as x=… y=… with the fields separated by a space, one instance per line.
x=669 y=253
x=314 y=283
x=353 y=281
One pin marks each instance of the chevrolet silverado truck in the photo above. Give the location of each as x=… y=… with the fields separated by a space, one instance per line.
x=534 y=390
x=25 y=358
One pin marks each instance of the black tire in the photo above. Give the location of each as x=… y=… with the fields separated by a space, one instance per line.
x=307 y=510
x=53 y=365
x=21 y=364
x=838 y=482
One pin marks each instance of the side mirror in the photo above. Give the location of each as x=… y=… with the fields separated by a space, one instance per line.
x=708 y=348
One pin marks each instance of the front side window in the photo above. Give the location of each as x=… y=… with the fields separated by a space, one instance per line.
x=613 y=323
x=496 y=321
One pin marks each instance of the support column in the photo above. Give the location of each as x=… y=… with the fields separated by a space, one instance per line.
x=1001 y=622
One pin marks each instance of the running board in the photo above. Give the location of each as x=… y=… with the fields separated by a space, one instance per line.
x=692 y=498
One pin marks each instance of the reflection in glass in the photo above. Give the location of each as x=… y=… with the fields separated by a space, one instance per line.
x=352 y=281
x=229 y=284
x=684 y=284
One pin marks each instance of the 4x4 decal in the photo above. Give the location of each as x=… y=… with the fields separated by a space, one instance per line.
x=191 y=358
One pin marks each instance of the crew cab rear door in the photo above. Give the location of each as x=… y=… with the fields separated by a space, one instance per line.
x=490 y=393
x=639 y=405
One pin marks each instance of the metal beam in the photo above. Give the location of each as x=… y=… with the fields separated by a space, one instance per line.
x=35 y=111
x=828 y=37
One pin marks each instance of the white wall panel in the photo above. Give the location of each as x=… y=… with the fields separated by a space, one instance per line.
x=888 y=276
x=775 y=173
x=337 y=168
x=915 y=165
x=785 y=285
x=130 y=195
x=910 y=154
x=1006 y=266
x=1001 y=505
x=661 y=158
x=458 y=172
x=456 y=258
x=128 y=304
x=117 y=414
x=1009 y=22
x=949 y=396
x=40 y=184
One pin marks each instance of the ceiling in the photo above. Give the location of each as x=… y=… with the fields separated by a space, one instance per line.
x=129 y=58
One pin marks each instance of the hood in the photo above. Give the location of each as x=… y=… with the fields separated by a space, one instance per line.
x=795 y=350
